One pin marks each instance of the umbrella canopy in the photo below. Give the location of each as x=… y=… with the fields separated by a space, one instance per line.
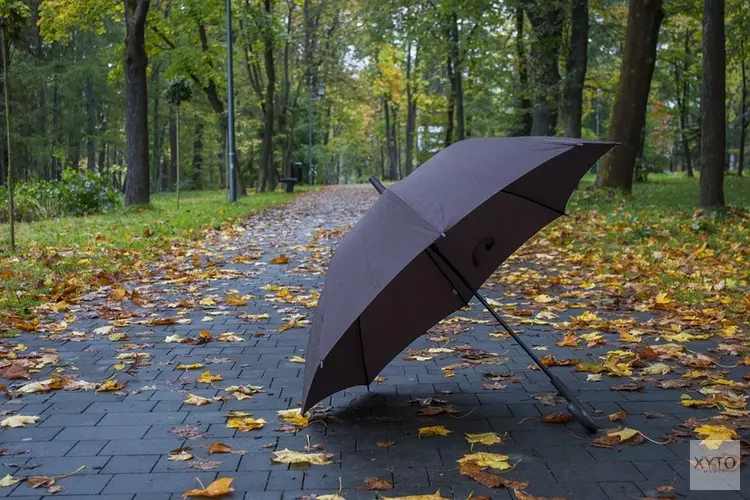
x=475 y=203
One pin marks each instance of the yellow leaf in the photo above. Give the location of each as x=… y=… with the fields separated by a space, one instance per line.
x=207 y=301
x=657 y=369
x=194 y=400
x=173 y=339
x=295 y=417
x=483 y=459
x=118 y=337
x=662 y=299
x=18 y=421
x=194 y=366
x=235 y=300
x=435 y=430
x=8 y=481
x=543 y=299
x=245 y=424
x=570 y=340
x=207 y=378
x=281 y=259
x=229 y=337
x=620 y=415
x=296 y=359
x=713 y=435
x=435 y=496
x=624 y=434
x=110 y=385
x=180 y=457
x=628 y=337
x=486 y=438
x=216 y=489
x=286 y=456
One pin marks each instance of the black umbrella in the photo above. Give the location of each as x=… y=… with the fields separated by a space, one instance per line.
x=428 y=244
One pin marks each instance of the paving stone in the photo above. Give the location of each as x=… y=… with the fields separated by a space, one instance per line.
x=76 y=486
x=129 y=464
x=102 y=432
x=597 y=471
x=158 y=482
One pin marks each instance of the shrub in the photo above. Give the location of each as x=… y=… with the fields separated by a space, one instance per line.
x=77 y=193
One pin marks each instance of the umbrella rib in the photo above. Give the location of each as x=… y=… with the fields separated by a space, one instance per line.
x=533 y=201
x=362 y=348
x=455 y=288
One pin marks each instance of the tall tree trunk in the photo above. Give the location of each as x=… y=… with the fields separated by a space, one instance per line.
x=267 y=178
x=172 y=149
x=712 y=106
x=525 y=122
x=395 y=135
x=156 y=154
x=458 y=85
x=576 y=67
x=547 y=24
x=284 y=111
x=744 y=119
x=411 y=110
x=102 y=158
x=451 y=106
x=683 y=89
x=390 y=142
x=198 y=155
x=90 y=125
x=136 y=103
x=55 y=161
x=629 y=113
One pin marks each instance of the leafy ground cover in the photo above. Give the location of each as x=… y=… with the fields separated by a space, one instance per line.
x=64 y=256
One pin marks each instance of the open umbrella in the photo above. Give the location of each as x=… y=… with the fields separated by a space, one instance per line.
x=428 y=244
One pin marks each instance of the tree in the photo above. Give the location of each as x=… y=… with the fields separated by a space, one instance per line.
x=629 y=112
x=712 y=106
x=576 y=67
x=177 y=92
x=268 y=177
x=137 y=190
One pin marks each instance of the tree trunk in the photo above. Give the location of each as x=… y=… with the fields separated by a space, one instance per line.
x=458 y=86
x=411 y=111
x=547 y=24
x=172 y=149
x=90 y=125
x=267 y=178
x=136 y=103
x=155 y=79
x=198 y=155
x=576 y=67
x=451 y=103
x=712 y=106
x=629 y=113
x=524 y=127
x=744 y=119
x=286 y=167
x=396 y=143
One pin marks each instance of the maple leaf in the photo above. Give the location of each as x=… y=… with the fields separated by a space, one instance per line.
x=110 y=385
x=229 y=337
x=194 y=400
x=569 y=340
x=486 y=438
x=245 y=424
x=16 y=370
x=180 y=457
x=624 y=434
x=488 y=479
x=207 y=378
x=435 y=430
x=713 y=435
x=281 y=259
x=375 y=484
x=296 y=359
x=656 y=369
x=235 y=300
x=551 y=360
x=18 y=420
x=434 y=496
x=193 y=366
x=287 y=456
x=217 y=488
x=484 y=459
x=295 y=417
x=173 y=339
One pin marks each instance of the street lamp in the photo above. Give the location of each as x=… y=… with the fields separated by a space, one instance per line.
x=230 y=109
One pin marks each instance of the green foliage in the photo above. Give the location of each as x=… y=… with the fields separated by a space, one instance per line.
x=178 y=91
x=77 y=193
x=13 y=17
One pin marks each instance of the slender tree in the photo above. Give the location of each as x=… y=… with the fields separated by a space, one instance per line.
x=713 y=134
x=629 y=113
x=576 y=67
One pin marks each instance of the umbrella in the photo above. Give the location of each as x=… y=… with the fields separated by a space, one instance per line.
x=426 y=246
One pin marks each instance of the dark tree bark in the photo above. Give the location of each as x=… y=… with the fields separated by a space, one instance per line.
x=450 y=108
x=156 y=154
x=411 y=108
x=458 y=86
x=546 y=18
x=55 y=162
x=102 y=158
x=683 y=88
x=396 y=144
x=198 y=155
x=523 y=76
x=576 y=67
x=172 y=149
x=267 y=178
x=284 y=105
x=136 y=99
x=90 y=125
x=744 y=119
x=629 y=113
x=712 y=106
x=390 y=143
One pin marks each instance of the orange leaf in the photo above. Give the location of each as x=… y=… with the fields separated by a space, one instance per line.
x=219 y=448
x=281 y=259
x=216 y=489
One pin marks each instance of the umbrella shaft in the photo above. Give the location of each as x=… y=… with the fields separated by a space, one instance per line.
x=490 y=309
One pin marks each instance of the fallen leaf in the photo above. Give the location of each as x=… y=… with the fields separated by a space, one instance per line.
x=620 y=415
x=229 y=337
x=180 y=457
x=110 y=385
x=557 y=418
x=375 y=484
x=486 y=438
x=656 y=369
x=385 y=444
x=295 y=417
x=630 y=386
x=296 y=359
x=207 y=378
x=16 y=370
x=173 y=339
x=18 y=421
x=624 y=434
x=435 y=496
x=488 y=479
x=245 y=424
x=483 y=459
x=435 y=430
x=219 y=448
x=281 y=259
x=522 y=495
x=215 y=489
x=194 y=400
x=286 y=456
x=194 y=366
x=713 y=435
x=8 y=481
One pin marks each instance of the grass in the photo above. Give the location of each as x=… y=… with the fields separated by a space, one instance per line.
x=60 y=256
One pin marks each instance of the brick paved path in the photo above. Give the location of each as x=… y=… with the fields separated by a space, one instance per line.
x=123 y=439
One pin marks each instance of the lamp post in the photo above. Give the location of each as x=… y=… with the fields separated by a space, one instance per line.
x=230 y=109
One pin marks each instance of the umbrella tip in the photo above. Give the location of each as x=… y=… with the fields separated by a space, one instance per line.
x=377 y=184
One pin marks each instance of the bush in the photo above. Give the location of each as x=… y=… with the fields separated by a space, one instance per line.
x=77 y=193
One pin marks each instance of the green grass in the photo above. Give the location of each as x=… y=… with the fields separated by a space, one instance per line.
x=56 y=255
